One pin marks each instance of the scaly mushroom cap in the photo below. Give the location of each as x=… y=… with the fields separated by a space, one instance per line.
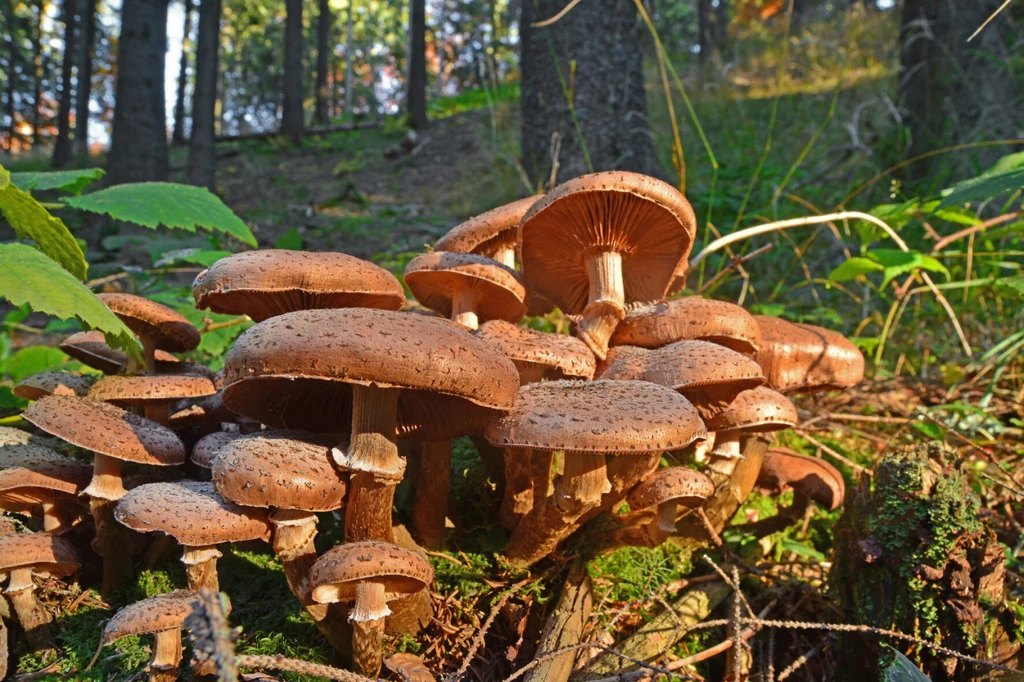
x=58 y=474
x=270 y=282
x=757 y=410
x=296 y=371
x=17 y=454
x=139 y=389
x=206 y=410
x=10 y=436
x=489 y=232
x=192 y=513
x=816 y=479
x=690 y=318
x=802 y=358
x=561 y=356
x=673 y=484
x=166 y=611
x=335 y=575
x=599 y=417
x=281 y=469
x=148 y=319
x=208 y=447
x=91 y=349
x=47 y=383
x=646 y=220
x=107 y=430
x=437 y=277
x=41 y=552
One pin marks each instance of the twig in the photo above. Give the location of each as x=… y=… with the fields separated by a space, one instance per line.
x=479 y=639
x=839 y=417
x=295 y=666
x=829 y=451
x=718 y=648
x=214 y=326
x=991 y=222
x=733 y=264
x=989 y=20
x=802 y=660
x=561 y=13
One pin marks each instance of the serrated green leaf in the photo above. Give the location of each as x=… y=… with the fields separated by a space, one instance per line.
x=27 y=276
x=73 y=181
x=1007 y=175
x=33 y=360
x=896 y=262
x=853 y=268
x=902 y=669
x=289 y=240
x=5 y=178
x=30 y=220
x=203 y=257
x=152 y=204
x=951 y=214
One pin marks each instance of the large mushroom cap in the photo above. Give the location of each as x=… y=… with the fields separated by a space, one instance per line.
x=48 y=383
x=141 y=389
x=646 y=220
x=192 y=513
x=673 y=484
x=263 y=284
x=802 y=358
x=816 y=479
x=438 y=277
x=600 y=417
x=690 y=318
x=41 y=552
x=561 y=356
x=335 y=575
x=14 y=454
x=208 y=447
x=757 y=410
x=282 y=469
x=296 y=371
x=167 y=329
x=166 y=611
x=107 y=430
x=488 y=233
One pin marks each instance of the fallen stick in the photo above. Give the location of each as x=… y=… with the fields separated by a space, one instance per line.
x=564 y=627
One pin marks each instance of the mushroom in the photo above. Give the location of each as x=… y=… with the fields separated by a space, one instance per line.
x=23 y=554
x=466 y=288
x=802 y=358
x=50 y=483
x=381 y=371
x=198 y=518
x=810 y=479
x=209 y=446
x=156 y=325
x=113 y=436
x=46 y=383
x=600 y=242
x=686 y=319
x=660 y=495
x=10 y=436
x=368 y=574
x=759 y=410
x=270 y=282
x=91 y=349
x=586 y=422
x=491 y=234
x=154 y=393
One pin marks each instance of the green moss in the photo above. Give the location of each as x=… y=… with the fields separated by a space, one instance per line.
x=634 y=573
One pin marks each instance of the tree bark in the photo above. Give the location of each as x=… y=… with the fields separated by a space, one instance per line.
x=83 y=96
x=12 y=59
x=440 y=42
x=138 y=148
x=37 y=72
x=323 y=63
x=178 y=136
x=705 y=34
x=292 y=119
x=565 y=626
x=62 y=147
x=583 y=82
x=416 y=94
x=202 y=158
x=349 y=78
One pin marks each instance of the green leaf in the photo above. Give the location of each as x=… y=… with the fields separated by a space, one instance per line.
x=895 y=216
x=204 y=257
x=770 y=309
x=1013 y=286
x=902 y=669
x=801 y=549
x=951 y=214
x=30 y=220
x=896 y=263
x=929 y=430
x=289 y=240
x=10 y=401
x=1007 y=175
x=152 y=204
x=33 y=360
x=5 y=178
x=27 y=276
x=853 y=268
x=214 y=343
x=73 y=181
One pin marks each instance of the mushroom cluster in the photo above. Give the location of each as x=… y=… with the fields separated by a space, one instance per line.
x=650 y=409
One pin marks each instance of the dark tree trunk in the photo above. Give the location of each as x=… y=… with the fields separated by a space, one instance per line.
x=62 y=147
x=202 y=158
x=705 y=34
x=179 y=101
x=37 y=72
x=323 y=62
x=138 y=147
x=292 y=123
x=609 y=102
x=441 y=46
x=416 y=93
x=12 y=60
x=349 y=68
x=83 y=96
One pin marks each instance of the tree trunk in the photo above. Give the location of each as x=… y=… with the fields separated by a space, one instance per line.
x=440 y=41
x=323 y=63
x=83 y=96
x=349 y=80
x=595 y=52
x=416 y=95
x=705 y=35
x=37 y=72
x=62 y=147
x=202 y=161
x=138 y=148
x=178 y=136
x=12 y=58
x=292 y=123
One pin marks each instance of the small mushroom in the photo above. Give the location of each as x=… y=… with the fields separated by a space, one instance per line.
x=802 y=358
x=49 y=484
x=691 y=318
x=368 y=575
x=157 y=326
x=759 y=410
x=466 y=288
x=46 y=383
x=810 y=479
x=23 y=554
x=491 y=234
x=154 y=393
x=660 y=495
x=91 y=349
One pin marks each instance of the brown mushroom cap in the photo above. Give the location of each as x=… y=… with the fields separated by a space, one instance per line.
x=166 y=611
x=646 y=220
x=91 y=349
x=802 y=358
x=58 y=474
x=208 y=447
x=489 y=232
x=296 y=371
x=562 y=357
x=783 y=469
x=672 y=484
x=47 y=383
x=281 y=469
x=192 y=513
x=437 y=277
x=335 y=575
x=600 y=417
x=141 y=389
x=209 y=409
x=41 y=552
x=148 y=319
x=689 y=318
x=270 y=282
x=107 y=430
x=14 y=454
x=10 y=436
x=757 y=410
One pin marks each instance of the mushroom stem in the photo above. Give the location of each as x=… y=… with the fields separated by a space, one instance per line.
x=723 y=458
x=530 y=372
x=112 y=540
x=606 y=305
x=584 y=480
x=430 y=508
x=374 y=462
x=540 y=473
x=55 y=518
x=293 y=542
x=166 y=658
x=201 y=567
x=367 y=616
x=506 y=255
x=464 y=304
x=518 y=497
x=106 y=481
x=158 y=412
x=31 y=614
